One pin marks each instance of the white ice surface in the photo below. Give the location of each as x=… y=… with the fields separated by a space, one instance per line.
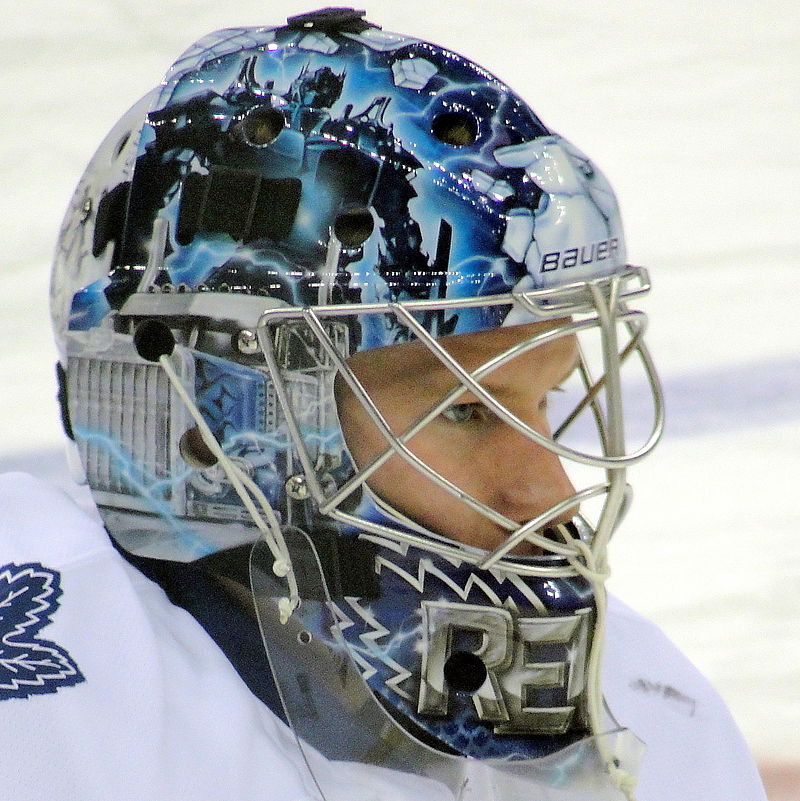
x=692 y=110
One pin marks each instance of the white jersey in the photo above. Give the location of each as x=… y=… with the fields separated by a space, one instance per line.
x=109 y=691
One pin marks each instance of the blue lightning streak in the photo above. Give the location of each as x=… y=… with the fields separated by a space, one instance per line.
x=146 y=486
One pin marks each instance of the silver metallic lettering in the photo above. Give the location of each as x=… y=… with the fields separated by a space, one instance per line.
x=440 y=621
x=525 y=659
x=525 y=677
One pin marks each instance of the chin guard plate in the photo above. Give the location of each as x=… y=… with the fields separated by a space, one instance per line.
x=342 y=729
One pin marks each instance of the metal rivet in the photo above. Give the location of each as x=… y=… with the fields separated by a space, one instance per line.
x=297 y=488
x=247 y=342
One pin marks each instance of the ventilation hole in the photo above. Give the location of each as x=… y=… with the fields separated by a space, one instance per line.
x=194 y=450
x=304 y=637
x=153 y=340
x=456 y=128
x=353 y=227
x=262 y=126
x=464 y=672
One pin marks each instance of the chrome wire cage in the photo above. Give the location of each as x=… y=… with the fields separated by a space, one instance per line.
x=599 y=304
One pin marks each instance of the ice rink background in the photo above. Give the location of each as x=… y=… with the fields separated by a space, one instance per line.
x=693 y=111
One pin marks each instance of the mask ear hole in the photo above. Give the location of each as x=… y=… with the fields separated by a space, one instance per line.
x=194 y=450
x=457 y=128
x=353 y=227
x=153 y=340
x=262 y=126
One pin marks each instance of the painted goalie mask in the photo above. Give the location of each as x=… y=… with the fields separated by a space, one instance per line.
x=289 y=205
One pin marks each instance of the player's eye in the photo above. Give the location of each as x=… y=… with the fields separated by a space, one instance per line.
x=465 y=412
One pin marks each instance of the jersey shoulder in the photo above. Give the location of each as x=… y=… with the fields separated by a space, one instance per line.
x=106 y=688
x=39 y=521
x=694 y=747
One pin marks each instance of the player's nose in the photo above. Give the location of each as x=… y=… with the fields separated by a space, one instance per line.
x=530 y=479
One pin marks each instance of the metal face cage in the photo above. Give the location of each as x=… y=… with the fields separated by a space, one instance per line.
x=589 y=308
x=594 y=311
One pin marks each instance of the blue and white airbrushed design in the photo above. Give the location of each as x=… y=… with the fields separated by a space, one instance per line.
x=216 y=198
x=487 y=663
x=322 y=168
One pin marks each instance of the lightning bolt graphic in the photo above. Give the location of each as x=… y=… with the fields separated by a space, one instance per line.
x=426 y=567
x=373 y=650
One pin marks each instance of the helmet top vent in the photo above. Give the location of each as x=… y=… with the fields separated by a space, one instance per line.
x=332 y=20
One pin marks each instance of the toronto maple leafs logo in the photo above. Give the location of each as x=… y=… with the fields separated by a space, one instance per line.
x=28 y=664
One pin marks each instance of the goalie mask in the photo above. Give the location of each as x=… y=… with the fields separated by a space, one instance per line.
x=299 y=226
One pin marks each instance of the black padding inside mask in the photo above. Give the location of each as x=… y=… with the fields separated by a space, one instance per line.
x=464 y=672
x=240 y=203
x=347 y=564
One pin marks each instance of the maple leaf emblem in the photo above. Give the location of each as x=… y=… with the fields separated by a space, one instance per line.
x=30 y=665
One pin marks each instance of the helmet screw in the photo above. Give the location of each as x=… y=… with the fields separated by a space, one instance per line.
x=86 y=209
x=247 y=342
x=297 y=488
